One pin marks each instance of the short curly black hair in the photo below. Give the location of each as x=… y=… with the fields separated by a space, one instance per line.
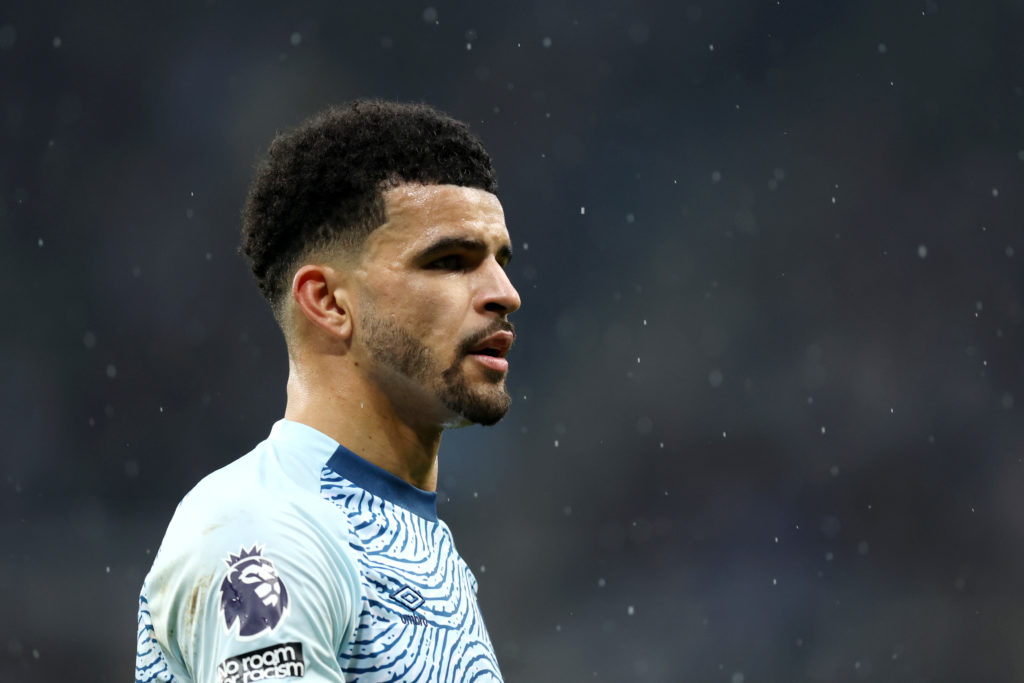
x=322 y=182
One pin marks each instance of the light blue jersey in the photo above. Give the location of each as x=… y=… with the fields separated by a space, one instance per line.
x=303 y=562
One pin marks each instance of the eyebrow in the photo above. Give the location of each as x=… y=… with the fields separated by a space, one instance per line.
x=504 y=253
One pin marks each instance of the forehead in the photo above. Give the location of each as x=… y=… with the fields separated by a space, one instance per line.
x=418 y=215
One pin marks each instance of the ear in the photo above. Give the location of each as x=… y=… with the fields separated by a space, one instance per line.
x=318 y=292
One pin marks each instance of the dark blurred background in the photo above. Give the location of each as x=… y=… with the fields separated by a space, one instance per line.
x=770 y=379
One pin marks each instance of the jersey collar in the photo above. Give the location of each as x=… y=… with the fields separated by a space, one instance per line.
x=383 y=484
x=357 y=470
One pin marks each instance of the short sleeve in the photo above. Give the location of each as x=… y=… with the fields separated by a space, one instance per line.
x=244 y=592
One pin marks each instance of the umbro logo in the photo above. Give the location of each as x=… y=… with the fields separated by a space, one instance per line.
x=408 y=597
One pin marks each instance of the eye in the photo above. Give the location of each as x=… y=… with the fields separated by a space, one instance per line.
x=450 y=262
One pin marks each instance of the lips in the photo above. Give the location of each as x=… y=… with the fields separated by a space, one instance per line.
x=496 y=346
x=491 y=351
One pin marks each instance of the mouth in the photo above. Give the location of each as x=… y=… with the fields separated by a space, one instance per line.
x=491 y=351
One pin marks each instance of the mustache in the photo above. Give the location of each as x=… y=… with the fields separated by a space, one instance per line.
x=477 y=337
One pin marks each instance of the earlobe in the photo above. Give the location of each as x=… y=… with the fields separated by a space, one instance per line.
x=323 y=301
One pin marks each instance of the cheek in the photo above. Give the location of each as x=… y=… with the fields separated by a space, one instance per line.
x=430 y=308
x=437 y=322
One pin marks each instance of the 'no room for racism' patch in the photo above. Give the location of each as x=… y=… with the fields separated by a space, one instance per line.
x=276 y=661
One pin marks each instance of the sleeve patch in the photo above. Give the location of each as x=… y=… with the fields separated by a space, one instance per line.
x=252 y=594
x=277 y=661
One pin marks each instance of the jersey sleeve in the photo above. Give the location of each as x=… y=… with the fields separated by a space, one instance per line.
x=242 y=592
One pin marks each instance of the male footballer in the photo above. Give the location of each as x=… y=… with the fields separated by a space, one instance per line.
x=374 y=233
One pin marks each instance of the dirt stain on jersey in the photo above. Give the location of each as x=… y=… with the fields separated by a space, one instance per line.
x=193 y=606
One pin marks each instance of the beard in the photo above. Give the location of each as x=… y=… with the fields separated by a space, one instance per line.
x=393 y=347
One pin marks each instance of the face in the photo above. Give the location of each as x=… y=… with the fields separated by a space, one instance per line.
x=433 y=303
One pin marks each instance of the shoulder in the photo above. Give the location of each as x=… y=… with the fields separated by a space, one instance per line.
x=255 y=500
x=250 y=545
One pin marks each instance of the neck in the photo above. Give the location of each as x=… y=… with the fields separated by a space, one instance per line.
x=330 y=396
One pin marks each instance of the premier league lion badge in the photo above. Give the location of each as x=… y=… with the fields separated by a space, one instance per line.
x=252 y=594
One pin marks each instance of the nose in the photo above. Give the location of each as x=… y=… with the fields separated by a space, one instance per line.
x=497 y=294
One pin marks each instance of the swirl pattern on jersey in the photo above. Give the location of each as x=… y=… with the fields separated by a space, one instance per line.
x=419 y=621
x=150 y=664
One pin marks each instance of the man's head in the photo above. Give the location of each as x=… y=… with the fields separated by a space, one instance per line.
x=321 y=185
x=374 y=233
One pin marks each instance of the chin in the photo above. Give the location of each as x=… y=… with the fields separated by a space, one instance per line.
x=484 y=413
x=466 y=407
